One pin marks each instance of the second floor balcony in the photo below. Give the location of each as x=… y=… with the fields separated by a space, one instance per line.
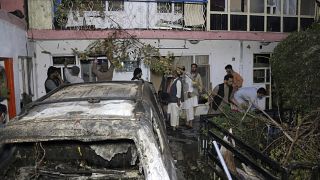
x=101 y=14
x=181 y=15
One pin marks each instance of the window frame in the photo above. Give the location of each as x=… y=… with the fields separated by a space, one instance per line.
x=267 y=85
x=112 y=7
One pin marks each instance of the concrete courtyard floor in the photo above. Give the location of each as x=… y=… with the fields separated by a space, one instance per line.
x=186 y=150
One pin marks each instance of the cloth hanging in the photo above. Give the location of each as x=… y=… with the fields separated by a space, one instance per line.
x=193 y=14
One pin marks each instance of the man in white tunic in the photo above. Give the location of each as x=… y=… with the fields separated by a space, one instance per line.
x=190 y=102
x=174 y=91
x=247 y=97
x=73 y=76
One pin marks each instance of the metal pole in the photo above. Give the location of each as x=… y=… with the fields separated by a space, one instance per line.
x=223 y=163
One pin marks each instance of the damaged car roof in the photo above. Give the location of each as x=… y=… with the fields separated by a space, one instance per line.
x=90 y=112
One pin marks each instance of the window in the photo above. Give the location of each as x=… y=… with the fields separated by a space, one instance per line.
x=264 y=15
x=257 y=6
x=218 y=5
x=59 y=61
x=238 y=22
x=204 y=70
x=307 y=7
x=164 y=7
x=96 y=5
x=262 y=75
x=178 y=8
x=116 y=5
x=26 y=78
x=290 y=7
x=86 y=70
x=219 y=22
x=238 y=6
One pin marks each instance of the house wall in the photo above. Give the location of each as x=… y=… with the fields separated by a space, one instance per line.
x=135 y=15
x=13 y=44
x=221 y=52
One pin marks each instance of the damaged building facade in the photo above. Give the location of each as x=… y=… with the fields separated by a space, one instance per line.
x=211 y=33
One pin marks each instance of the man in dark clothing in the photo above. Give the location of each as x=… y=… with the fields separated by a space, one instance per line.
x=53 y=80
x=222 y=95
x=174 y=90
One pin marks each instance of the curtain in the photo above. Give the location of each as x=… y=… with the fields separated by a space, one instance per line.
x=193 y=14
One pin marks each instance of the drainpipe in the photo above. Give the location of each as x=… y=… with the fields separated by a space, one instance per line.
x=241 y=58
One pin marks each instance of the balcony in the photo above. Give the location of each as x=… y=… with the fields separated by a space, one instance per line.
x=143 y=15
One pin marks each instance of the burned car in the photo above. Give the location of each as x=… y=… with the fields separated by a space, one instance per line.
x=106 y=130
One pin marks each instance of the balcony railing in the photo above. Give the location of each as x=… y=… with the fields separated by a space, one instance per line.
x=131 y=15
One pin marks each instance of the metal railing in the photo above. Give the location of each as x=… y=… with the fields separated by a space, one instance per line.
x=267 y=168
x=131 y=15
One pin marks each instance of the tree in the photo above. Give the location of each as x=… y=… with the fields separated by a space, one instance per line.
x=296 y=69
x=121 y=46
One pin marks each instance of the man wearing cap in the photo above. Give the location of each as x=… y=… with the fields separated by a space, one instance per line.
x=174 y=103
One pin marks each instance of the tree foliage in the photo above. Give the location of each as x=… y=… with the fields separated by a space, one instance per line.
x=295 y=68
x=121 y=46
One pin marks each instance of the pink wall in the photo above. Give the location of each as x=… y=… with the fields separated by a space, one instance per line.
x=157 y=34
x=12 y=5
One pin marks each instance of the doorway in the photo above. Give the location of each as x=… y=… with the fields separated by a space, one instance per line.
x=7 y=86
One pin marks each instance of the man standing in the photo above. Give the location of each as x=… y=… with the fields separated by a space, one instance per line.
x=237 y=79
x=222 y=95
x=247 y=97
x=174 y=102
x=137 y=74
x=73 y=76
x=105 y=73
x=53 y=80
x=196 y=80
x=189 y=102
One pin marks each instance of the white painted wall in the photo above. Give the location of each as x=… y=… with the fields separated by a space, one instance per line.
x=221 y=52
x=135 y=15
x=13 y=43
